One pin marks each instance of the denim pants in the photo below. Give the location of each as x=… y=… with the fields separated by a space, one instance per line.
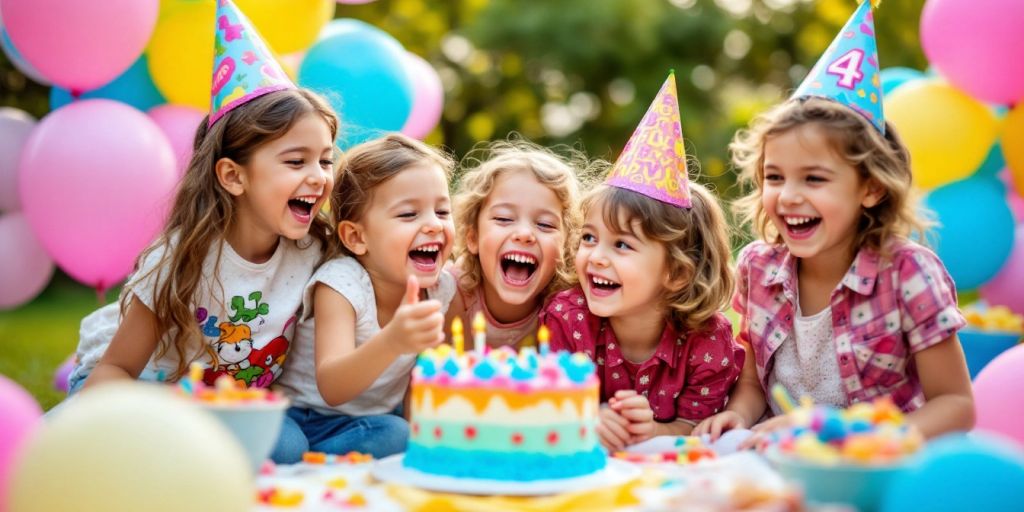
x=308 y=430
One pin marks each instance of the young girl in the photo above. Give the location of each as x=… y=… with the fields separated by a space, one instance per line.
x=222 y=283
x=653 y=262
x=836 y=302
x=515 y=211
x=376 y=305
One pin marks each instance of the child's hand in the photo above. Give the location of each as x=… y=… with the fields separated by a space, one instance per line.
x=763 y=431
x=416 y=325
x=635 y=408
x=721 y=422
x=611 y=429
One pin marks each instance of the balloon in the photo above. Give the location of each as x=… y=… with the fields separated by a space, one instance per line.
x=96 y=178
x=993 y=164
x=897 y=76
x=133 y=87
x=80 y=45
x=961 y=472
x=977 y=46
x=63 y=373
x=1016 y=204
x=428 y=97
x=128 y=446
x=999 y=395
x=15 y=127
x=288 y=26
x=1007 y=287
x=948 y=133
x=26 y=267
x=1013 y=146
x=181 y=54
x=371 y=93
x=975 y=235
x=15 y=57
x=179 y=124
x=19 y=417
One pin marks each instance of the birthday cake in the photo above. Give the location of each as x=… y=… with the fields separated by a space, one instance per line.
x=504 y=415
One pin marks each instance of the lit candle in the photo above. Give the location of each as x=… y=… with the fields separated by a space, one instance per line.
x=457 y=338
x=544 y=338
x=479 y=333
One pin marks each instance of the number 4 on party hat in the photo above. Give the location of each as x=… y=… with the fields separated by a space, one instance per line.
x=653 y=163
x=243 y=66
x=848 y=71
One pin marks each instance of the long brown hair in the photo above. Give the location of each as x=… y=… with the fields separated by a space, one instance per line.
x=203 y=212
x=878 y=157
x=696 y=242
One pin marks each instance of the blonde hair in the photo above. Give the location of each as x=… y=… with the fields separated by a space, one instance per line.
x=881 y=158
x=696 y=242
x=483 y=168
x=370 y=164
x=203 y=211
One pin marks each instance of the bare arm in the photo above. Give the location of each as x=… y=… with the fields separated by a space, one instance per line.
x=949 y=403
x=130 y=349
x=679 y=427
x=747 y=398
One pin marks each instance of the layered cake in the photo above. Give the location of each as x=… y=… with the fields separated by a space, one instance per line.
x=503 y=415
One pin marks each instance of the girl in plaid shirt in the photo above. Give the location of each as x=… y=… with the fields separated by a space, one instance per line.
x=836 y=302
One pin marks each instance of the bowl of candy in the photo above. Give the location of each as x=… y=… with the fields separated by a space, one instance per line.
x=253 y=415
x=989 y=332
x=847 y=456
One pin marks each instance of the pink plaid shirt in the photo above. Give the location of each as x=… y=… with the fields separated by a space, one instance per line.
x=883 y=312
x=688 y=377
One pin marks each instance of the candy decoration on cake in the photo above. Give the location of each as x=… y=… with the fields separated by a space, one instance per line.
x=864 y=433
x=225 y=390
x=848 y=72
x=504 y=415
x=243 y=66
x=653 y=163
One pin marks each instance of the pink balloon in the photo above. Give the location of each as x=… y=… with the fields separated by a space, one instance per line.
x=26 y=267
x=96 y=180
x=977 y=46
x=15 y=126
x=999 y=395
x=179 y=124
x=1007 y=287
x=80 y=45
x=63 y=373
x=19 y=416
x=1016 y=205
x=428 y=97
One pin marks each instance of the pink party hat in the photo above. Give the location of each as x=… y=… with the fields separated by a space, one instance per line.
x=243 y=67
x=653 y=163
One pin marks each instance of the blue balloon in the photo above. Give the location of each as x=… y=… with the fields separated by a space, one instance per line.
x=961 y=472
x=975 y=233
x=993 y=163
x=359 y=68
x=134 y=87
x=894 y=77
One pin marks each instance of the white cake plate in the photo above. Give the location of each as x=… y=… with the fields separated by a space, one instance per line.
x=391 y=470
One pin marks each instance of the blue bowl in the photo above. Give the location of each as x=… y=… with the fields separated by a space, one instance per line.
x=861 y=486
x=980 y=347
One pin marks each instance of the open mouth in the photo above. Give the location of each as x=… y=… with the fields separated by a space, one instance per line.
x=425 y=256
x=801 y=227
x=302 y=207
x=518 y=267
x=601 y=286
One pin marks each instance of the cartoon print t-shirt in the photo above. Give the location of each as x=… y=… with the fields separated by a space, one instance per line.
x=247 y=318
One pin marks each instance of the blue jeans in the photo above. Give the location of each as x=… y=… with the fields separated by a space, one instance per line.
x=308 y=430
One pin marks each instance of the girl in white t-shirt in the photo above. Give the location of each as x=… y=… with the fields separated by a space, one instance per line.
x=222 y=285
x=376 y=305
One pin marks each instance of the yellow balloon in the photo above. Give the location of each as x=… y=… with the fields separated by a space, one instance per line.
x=288 y=26
x=948 y=133
x=1013 y=145
x=180 y=54
x=129 y=446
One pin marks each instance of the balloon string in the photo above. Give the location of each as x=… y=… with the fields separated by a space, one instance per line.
x=101 y=294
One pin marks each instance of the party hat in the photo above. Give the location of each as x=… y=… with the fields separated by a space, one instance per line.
x=848 y=71
x=653 y=163
x=243 y=67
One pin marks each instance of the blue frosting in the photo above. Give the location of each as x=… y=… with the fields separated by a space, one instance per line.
x=508 y=466
x=451 y=366
x=520 y=373
x=426 y=366
x=484 y=369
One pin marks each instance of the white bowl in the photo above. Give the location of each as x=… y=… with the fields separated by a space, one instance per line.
x=256 y=425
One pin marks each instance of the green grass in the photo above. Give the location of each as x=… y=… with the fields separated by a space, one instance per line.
x=37 y=337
